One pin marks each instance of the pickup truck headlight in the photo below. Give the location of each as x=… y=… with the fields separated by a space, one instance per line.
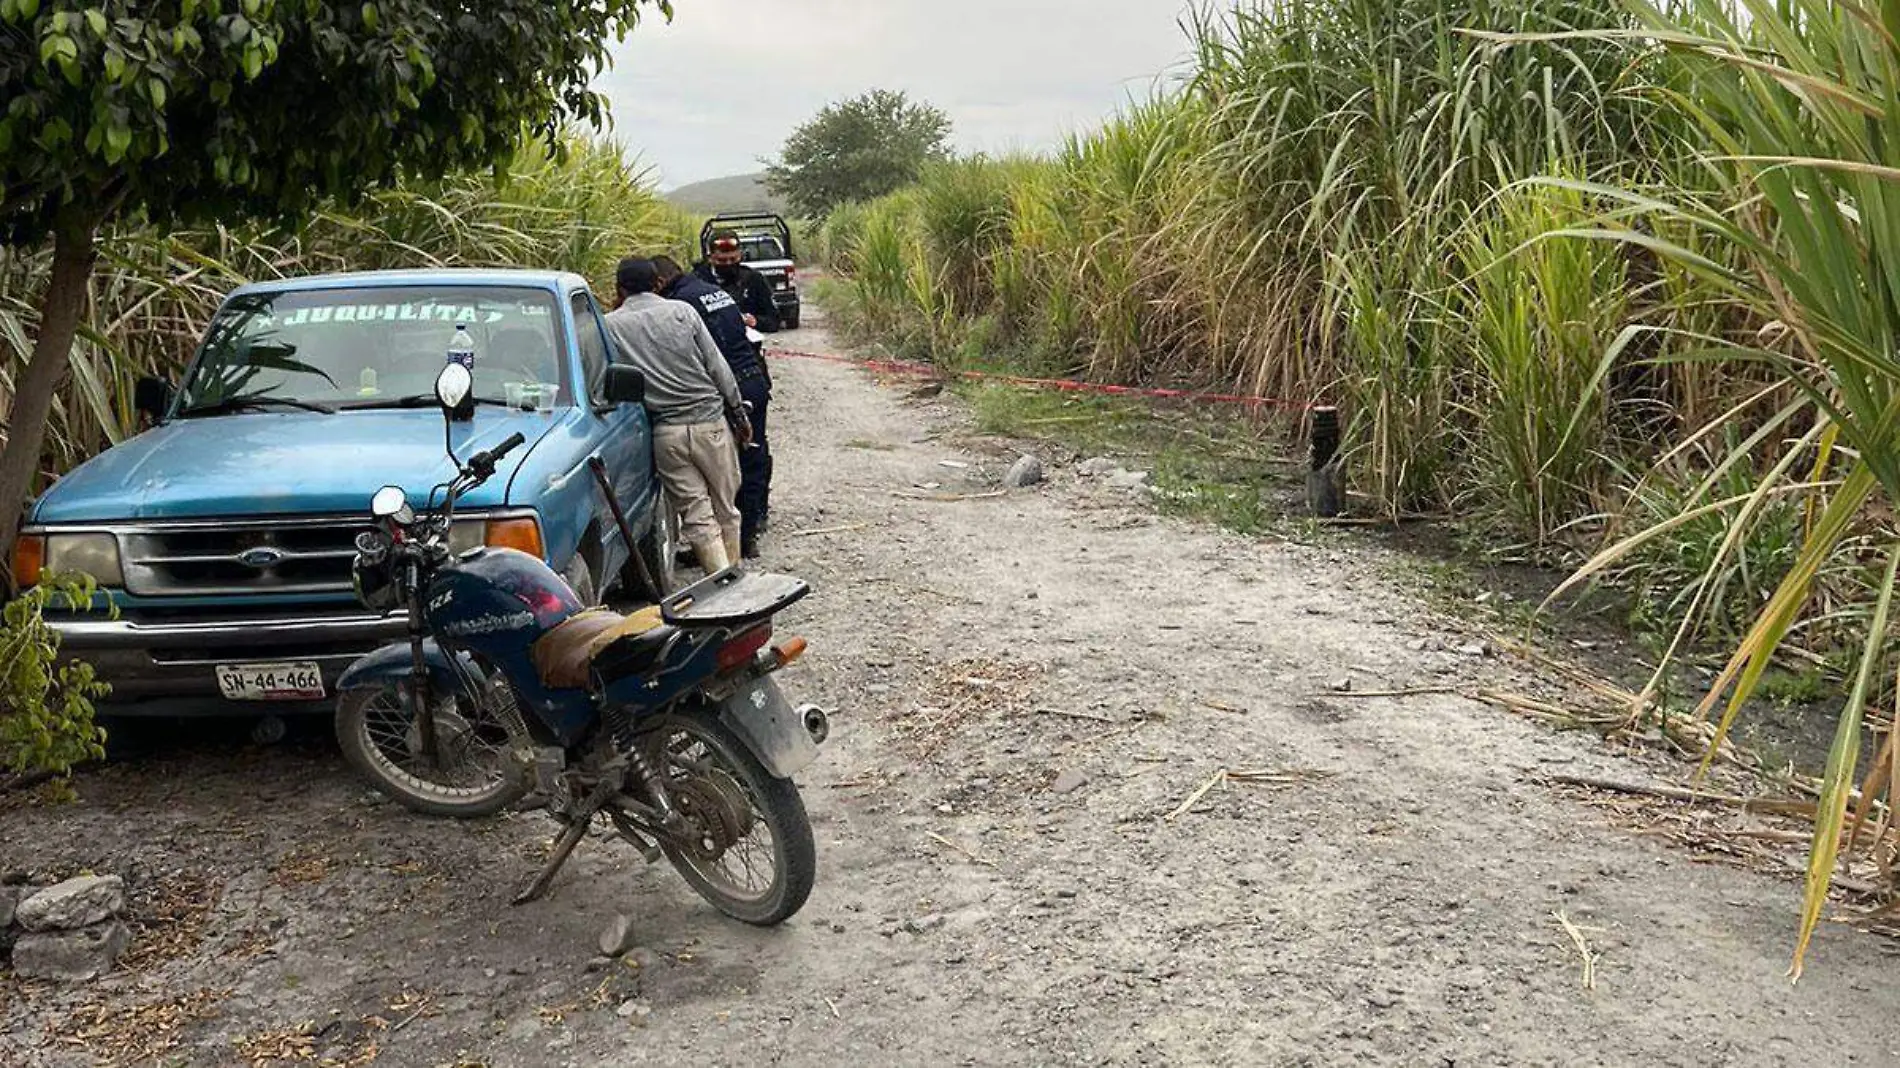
x=498 y=532
x=42 y=554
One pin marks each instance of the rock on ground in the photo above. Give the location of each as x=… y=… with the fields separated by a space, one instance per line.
x=75 y=903
x=9 y=903
x=71 y=956
x=1069 y=782
x=1027 y=471
x=617 y=937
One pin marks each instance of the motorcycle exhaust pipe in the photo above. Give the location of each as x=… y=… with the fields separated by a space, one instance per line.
x=817 y=723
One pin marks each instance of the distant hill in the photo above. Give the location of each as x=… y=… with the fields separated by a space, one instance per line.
x=739 y=192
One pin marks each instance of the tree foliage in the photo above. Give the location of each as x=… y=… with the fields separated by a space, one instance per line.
x=180 y=110
x=192 y=109
x=858 y=150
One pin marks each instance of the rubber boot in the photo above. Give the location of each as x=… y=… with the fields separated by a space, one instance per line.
x=712 y=557
x=733 y=547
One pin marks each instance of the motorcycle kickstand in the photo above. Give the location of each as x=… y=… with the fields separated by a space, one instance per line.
x=564 y=847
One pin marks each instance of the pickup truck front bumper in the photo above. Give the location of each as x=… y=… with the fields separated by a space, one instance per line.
x=168 y=668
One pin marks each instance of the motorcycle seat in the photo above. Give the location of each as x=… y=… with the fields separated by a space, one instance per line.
x=565 y=656
x=634 y=654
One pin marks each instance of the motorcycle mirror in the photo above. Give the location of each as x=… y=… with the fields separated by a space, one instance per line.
x=390 y=502
x=453 y=386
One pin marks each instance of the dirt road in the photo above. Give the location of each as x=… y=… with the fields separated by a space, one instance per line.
x=1030 y=689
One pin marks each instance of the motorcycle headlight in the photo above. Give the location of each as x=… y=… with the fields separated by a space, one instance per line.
x=95 y=554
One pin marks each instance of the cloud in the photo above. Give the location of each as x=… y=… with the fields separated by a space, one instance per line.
x=724 y=84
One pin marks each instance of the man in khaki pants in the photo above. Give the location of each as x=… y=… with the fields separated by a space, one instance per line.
x=694 y=406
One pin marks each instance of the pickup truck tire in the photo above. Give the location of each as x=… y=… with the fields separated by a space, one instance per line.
x=367 y=715
x=579 y=575
x=659 y=551
x=789 y=320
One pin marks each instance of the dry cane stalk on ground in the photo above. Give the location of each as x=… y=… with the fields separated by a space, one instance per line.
x=1246 y=777
x=951 y=696
x=1583 y=949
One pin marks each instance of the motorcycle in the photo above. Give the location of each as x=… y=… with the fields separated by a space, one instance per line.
x=666 y=723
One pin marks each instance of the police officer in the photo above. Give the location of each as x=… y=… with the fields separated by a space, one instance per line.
x=722 y=268
x=728 y=327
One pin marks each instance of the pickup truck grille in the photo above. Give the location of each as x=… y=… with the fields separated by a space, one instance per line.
x=270 y=557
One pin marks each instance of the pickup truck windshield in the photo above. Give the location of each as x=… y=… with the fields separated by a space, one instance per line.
x=372 y=347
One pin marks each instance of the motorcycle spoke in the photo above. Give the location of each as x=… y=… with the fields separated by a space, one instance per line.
x=474 y=762
x=747 y=865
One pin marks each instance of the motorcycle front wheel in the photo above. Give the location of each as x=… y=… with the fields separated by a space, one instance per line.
x=750 y=852
x=472 y=776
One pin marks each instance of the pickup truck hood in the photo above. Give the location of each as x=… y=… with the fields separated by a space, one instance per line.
x=284 y=463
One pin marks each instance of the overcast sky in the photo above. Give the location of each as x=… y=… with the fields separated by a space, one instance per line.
x=726 y=82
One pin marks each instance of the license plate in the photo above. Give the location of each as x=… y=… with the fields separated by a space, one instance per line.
x=295 y=681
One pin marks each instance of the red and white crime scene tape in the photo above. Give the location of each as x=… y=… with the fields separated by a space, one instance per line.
x=926 y=370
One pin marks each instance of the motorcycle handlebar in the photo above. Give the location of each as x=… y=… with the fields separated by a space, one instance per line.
x=482 y=464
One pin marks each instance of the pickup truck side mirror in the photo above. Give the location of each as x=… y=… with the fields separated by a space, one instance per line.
x=152 y=396
x=625 y=385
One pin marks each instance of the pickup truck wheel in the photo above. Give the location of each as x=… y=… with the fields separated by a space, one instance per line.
x=789 y=320
x=659 y=550
x=580 y=578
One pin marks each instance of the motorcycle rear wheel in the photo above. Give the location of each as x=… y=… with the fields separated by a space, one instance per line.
x=724 y=790
x=375 y=729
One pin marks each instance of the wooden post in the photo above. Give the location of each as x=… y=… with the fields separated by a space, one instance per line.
x=1324 y=494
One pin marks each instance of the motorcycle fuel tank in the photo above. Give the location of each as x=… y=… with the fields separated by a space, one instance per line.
x=497 y=601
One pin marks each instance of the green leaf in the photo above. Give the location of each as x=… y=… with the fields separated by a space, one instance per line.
x=115 y=65
x=369 y=17
x=155 y=88
x=53 y=45
x=118 y=140
x=96 y=19
x=253 y=63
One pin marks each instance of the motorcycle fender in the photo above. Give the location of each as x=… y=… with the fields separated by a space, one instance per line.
x=769 y=726
x=394 y=664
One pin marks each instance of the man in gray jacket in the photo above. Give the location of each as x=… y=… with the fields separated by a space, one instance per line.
x=694 y=406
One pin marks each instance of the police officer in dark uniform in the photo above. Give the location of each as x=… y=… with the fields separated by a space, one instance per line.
x=728 y=326
x=722 y=268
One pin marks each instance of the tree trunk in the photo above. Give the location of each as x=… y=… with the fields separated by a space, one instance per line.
x=74 y=251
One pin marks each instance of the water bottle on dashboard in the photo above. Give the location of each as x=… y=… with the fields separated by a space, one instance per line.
x=462 y=351
x=462 y=348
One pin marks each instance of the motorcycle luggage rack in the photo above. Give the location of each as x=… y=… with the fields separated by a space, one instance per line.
x=732 y=598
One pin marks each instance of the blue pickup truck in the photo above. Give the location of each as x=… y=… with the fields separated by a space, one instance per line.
x=224 y=534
